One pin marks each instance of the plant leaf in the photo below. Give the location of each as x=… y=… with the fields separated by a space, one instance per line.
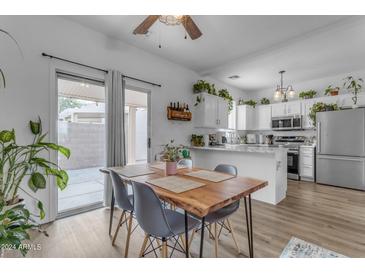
x=38 y=180
x=42 y=213
x=7 y=136
x=62 y=182
x=35 y=127
x=64 y=150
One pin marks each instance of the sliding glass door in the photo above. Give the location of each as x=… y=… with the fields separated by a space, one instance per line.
x=81 y=127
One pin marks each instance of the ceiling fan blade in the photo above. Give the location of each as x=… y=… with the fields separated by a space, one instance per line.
x=191 y=28
x=146 y=24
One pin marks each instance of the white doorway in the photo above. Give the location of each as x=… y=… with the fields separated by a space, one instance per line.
x=81 y=127
x=137 y=126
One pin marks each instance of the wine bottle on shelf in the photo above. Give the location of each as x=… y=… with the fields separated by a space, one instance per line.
x=178 y=106
x=170 y=105
x=187 y=108
x=174 y=108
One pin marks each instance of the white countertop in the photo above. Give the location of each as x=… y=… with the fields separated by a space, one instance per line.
x=251 y=148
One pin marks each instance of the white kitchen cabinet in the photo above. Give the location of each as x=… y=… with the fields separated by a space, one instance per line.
x=293 y=108
x=246 y=118
x=278 y=110
x=222 y=111
x=211 y=112
x=286 y=109
x=263 y=117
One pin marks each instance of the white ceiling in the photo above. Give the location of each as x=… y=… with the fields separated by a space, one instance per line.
x=253 y=47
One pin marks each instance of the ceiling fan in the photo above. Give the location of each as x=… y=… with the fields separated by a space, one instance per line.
x=171 y=20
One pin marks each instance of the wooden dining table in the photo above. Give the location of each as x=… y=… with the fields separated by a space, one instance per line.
x=202 y=200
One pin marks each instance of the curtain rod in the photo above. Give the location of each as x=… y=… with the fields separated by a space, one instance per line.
x=103 y=70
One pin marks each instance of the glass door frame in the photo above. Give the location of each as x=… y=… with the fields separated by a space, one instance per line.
x=58 y=66
x=134 y=87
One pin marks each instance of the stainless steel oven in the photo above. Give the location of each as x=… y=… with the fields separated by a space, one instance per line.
x=293 y=163
x=287 y=123
x=292 y=143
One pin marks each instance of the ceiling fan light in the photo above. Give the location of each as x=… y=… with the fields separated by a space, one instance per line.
x=171 y=20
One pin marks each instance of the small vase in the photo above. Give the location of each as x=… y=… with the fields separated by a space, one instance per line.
x=171 y=168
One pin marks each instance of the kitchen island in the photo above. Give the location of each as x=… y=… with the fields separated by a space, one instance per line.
x=262 y=162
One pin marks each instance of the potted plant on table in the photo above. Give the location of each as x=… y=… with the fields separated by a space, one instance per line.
x=17 y=163
x=332 y=91
x=353 y=86
x=171 y=155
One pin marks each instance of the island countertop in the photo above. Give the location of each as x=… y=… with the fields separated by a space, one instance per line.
x=250 y=148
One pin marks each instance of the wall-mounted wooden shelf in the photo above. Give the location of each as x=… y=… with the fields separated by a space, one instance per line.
x=178 y=115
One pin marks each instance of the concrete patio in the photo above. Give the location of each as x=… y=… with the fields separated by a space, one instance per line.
x=85 y=187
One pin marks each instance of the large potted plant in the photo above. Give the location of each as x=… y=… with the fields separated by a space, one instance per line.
x=171 y=155
x=19 y=163
x=353 y=86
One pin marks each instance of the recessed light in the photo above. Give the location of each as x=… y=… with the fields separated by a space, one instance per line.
x=234 y=77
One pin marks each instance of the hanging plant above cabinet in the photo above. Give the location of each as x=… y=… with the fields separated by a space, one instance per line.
x=265 y=101
x=320 y=107
x=251 y=102
x=202 y=86
x=307 y=94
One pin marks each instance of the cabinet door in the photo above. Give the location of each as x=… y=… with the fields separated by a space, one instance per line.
x=246 y=118
x=241 y=117
x=293 y=108
x=278 y=110
x=206 y=112
x=263 y=117
x=222 y=111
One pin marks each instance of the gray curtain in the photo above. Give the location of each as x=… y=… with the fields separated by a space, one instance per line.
x=115 y=136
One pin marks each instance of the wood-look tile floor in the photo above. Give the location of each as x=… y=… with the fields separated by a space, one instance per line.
x=331 y=217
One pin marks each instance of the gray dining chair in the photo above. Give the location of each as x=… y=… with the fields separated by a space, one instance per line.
x=125 y=203
x=158 y=222
x=220 y=219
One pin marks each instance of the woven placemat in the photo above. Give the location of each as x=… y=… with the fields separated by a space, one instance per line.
x=175 y=184
x=212 y=176
x=133 y=170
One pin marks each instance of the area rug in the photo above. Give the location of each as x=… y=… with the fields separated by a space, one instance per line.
x=297 y=248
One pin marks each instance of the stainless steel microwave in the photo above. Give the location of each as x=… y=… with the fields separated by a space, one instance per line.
x=286 y=123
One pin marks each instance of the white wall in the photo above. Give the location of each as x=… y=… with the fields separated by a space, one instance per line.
x=28 y=92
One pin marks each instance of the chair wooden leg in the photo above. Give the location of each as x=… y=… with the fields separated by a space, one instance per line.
x=118 y=227
x=216 y=240
x=164 y=249
x=210 y=231
x=233 y=235
x=143 y=248
x=191 y=238
x=130 y=223
x=182 y=239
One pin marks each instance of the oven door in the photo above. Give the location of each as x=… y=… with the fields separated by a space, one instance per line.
x=293 y=164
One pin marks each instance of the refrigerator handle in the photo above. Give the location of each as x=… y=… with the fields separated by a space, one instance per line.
x=318 y=137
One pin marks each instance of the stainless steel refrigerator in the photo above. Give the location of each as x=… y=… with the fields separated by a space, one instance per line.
x=340 y=159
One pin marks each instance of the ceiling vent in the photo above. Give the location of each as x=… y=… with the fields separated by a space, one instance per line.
x=234 y=77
